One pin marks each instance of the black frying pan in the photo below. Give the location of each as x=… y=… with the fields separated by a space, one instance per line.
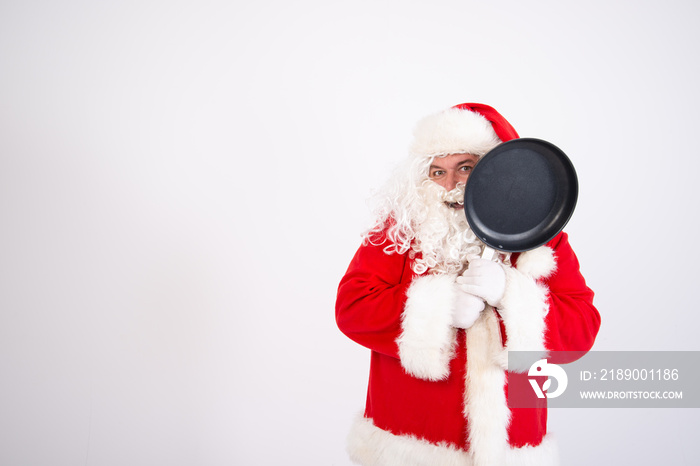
x=520 y=195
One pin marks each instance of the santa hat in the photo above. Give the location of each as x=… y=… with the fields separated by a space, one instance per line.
x=465 y=128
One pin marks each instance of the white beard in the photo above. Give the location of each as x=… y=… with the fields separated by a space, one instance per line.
x=443 y=237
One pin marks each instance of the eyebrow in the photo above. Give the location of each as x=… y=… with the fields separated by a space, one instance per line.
x=459 y=164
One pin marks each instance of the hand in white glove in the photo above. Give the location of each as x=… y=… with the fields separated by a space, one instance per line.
x=485 y=279
x=467 y=310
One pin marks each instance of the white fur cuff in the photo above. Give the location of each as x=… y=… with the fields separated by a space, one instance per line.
x=426 y=344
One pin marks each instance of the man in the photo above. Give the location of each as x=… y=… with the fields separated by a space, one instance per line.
x=440 y=320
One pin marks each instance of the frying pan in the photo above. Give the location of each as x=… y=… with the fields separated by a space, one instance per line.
x=520 y=195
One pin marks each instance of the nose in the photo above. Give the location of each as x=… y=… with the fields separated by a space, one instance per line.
x=451 y=181
x=455 y=178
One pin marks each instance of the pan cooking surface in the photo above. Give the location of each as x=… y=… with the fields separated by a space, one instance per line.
x=521 y=194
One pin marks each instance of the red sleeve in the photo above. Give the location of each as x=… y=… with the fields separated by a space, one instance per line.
x=371 y=298
x=572 y=322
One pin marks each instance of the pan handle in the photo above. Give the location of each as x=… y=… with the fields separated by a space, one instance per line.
x=488 y=253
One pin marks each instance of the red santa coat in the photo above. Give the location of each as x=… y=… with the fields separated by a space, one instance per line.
x=438 y=395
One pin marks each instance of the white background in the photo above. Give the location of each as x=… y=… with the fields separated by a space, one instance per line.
x=182 y=185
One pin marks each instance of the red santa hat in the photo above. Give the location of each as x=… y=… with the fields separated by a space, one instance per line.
x=465 y=128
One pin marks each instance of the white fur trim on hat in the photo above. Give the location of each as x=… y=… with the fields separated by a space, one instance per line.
x=371 y=446
x=426 y=344
x=453 y=131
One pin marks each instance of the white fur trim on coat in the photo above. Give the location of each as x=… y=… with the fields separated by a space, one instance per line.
x=537 y=263
x=426 y=343
x=524 y=305
x=485 y=404
x=369 y=445
x=453 y=131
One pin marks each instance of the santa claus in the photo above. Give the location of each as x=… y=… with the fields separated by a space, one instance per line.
x=440 y=320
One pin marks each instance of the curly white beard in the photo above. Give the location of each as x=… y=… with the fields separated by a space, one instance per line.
x=443 y=237
x=413 y=218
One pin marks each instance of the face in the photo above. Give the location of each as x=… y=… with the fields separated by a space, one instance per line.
x=452 y=169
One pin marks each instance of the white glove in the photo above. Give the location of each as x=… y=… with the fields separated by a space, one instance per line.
x=467 y=310
x=485 y=279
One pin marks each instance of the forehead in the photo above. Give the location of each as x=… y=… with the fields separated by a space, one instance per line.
x=453 y=160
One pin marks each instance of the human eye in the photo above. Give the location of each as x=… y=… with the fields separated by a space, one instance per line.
x=436 y=173
x=466 y=168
